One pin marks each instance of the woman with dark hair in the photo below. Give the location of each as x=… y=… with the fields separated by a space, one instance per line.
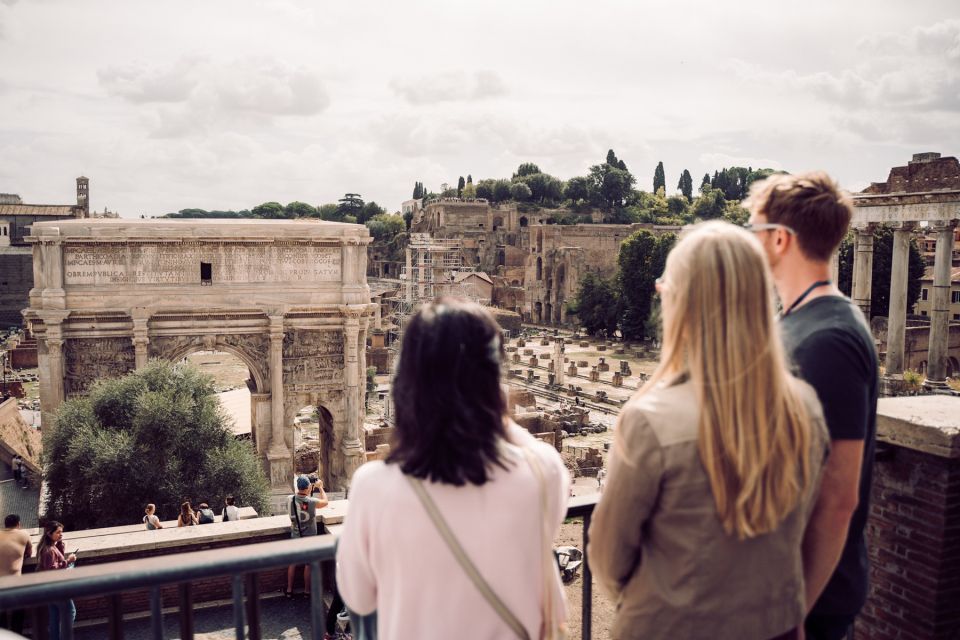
x=467 y=501
x=51 y=555
x=188 y=516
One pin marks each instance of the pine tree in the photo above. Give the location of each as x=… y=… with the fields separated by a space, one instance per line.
x=659 y=179
x=612 y=159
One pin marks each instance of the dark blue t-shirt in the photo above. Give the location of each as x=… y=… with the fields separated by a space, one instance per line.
x=830 y=343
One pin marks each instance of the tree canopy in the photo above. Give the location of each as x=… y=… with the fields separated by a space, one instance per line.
x=156 y=435
x=659 y=178
x=641 y=261
x=597 y=304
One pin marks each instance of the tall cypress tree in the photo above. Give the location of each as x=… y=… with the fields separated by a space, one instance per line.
x=659 y=179
x=686 y=185
x=461 y=183
x=469 y=179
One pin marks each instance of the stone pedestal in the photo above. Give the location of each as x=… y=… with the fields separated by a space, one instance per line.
x=572 y=370
x=617 y=379
x=594 y=374
x=602 y=366
x=913 y=535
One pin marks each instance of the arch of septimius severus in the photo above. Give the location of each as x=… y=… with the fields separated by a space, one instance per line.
x=288 y=298
x=927 y=190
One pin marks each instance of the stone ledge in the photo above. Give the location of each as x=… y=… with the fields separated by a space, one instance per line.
x=930 y=424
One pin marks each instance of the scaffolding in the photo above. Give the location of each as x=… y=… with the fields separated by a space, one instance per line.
x=434 y=267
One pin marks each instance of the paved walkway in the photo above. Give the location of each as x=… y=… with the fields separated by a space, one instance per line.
x=23 y=502
x=281 y=619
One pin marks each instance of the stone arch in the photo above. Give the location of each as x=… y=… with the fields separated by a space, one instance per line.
x=497 y=222
x=548 y=313
x=537 y=312
x=561 y=276
x=539 y=268
x=259 y=372
x=539 y=240
x=501 y=257
x=523 y=221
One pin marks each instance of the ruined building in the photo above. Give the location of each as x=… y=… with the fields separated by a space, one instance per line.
x=535 y=266
x=16 y=256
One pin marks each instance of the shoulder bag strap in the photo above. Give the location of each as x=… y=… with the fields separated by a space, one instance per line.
x=468 y=567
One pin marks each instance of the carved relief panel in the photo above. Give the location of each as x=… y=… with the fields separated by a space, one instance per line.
x=87 y=360
x=312 y=359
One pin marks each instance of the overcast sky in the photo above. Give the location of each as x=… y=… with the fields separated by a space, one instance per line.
x=224 y=104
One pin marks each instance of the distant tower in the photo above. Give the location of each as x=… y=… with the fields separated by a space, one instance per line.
x=83 y=195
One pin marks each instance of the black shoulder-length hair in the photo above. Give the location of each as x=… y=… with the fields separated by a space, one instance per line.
x=449 y=407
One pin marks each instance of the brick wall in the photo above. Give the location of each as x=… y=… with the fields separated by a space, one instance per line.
x=913 y=536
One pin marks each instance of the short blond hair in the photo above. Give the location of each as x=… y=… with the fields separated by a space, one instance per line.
x=812 y=204
x=151 y=507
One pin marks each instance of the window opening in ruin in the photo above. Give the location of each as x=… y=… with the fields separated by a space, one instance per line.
x=206 y=273
x=523 y=221
x=954 y=297
x=923 y=294
x=539 y=268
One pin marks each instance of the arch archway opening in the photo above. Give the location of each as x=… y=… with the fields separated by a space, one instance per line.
x=233 y=382
x=313 y=442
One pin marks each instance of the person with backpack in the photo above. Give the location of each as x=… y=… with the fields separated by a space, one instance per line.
x=230 y=512
x=205 y=514
x=303 y=523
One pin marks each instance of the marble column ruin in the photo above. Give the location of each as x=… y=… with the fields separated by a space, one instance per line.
x=279 y=456
x=897 y=315
x=353 y=452
x=863 y=269
x=940 y=309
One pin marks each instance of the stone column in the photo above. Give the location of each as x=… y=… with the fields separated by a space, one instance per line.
x=897 y=316
x=835 y=267
x=558 y=371
x=863 y=269
x=141 y=339
x=279 y=455
x=353 y=379
x=940 y=309
x=51 y=365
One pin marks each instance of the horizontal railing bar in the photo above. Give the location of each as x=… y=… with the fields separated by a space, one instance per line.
x=115 y=577
x=17 y=592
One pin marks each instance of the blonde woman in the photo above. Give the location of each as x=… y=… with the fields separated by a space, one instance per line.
x=716 y=461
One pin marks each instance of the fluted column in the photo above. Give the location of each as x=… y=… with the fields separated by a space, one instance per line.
x=352 y=447
x=940 y=309
x=279 y=455
x=897 y=316
x=51 y=365
x=863 y=269
x=141 y=338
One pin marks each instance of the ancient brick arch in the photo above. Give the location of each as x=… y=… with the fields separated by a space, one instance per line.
x=289 y=299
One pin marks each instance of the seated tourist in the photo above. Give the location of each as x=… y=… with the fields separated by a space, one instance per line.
x=715 y=463
x=463 y=489
x=150 y=520
x=188 y=516
x=230 y=511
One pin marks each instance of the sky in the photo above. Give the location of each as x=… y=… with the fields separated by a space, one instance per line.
x=225 y=104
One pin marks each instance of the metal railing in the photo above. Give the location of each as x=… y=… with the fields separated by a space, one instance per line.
x=36 y=591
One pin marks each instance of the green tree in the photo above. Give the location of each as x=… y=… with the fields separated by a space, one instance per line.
x=609 y=186
x=677 y=206
x=659 y=178
x=735 y=214
x=469 y=179
x=705 y=182
x=369 y=211
x=596 y=304
x=461 y=183
x=640 y=262
x=408 y=219
x=577 y=189
x=469 y=191
x=351 y=204
x=686 y=185
x=385 y=226
x=710 y=204
x=485 y=189
x=269 y=211
x=520 y=192
x=156 y=435
x=526 y=169
x=882 y=267
x=300 y=210
x=502 y=190
x=330 y=211
x=544 y=188
x=417 y=190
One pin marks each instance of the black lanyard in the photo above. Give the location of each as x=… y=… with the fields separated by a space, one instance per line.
x=803 y=296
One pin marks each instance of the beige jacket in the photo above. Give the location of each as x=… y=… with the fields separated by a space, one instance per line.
x=657 y=545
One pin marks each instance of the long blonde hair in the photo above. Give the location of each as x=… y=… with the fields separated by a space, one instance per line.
x=719 y=329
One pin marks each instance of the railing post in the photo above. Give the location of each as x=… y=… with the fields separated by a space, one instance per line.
x=238 y=605
x=116 y=617
x=317 y=605
x=156 y=613
x=253 y=606
x=186 y=611
x=586 y=609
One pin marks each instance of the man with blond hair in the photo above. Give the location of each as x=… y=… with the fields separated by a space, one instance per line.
x=800 y=220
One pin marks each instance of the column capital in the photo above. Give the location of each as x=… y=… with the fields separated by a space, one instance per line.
x=865 y=228
x=904 y=225
x=52 y=317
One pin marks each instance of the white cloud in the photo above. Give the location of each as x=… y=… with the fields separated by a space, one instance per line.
x=449 y=86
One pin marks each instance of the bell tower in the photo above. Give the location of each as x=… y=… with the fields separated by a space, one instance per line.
x=83 y=195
